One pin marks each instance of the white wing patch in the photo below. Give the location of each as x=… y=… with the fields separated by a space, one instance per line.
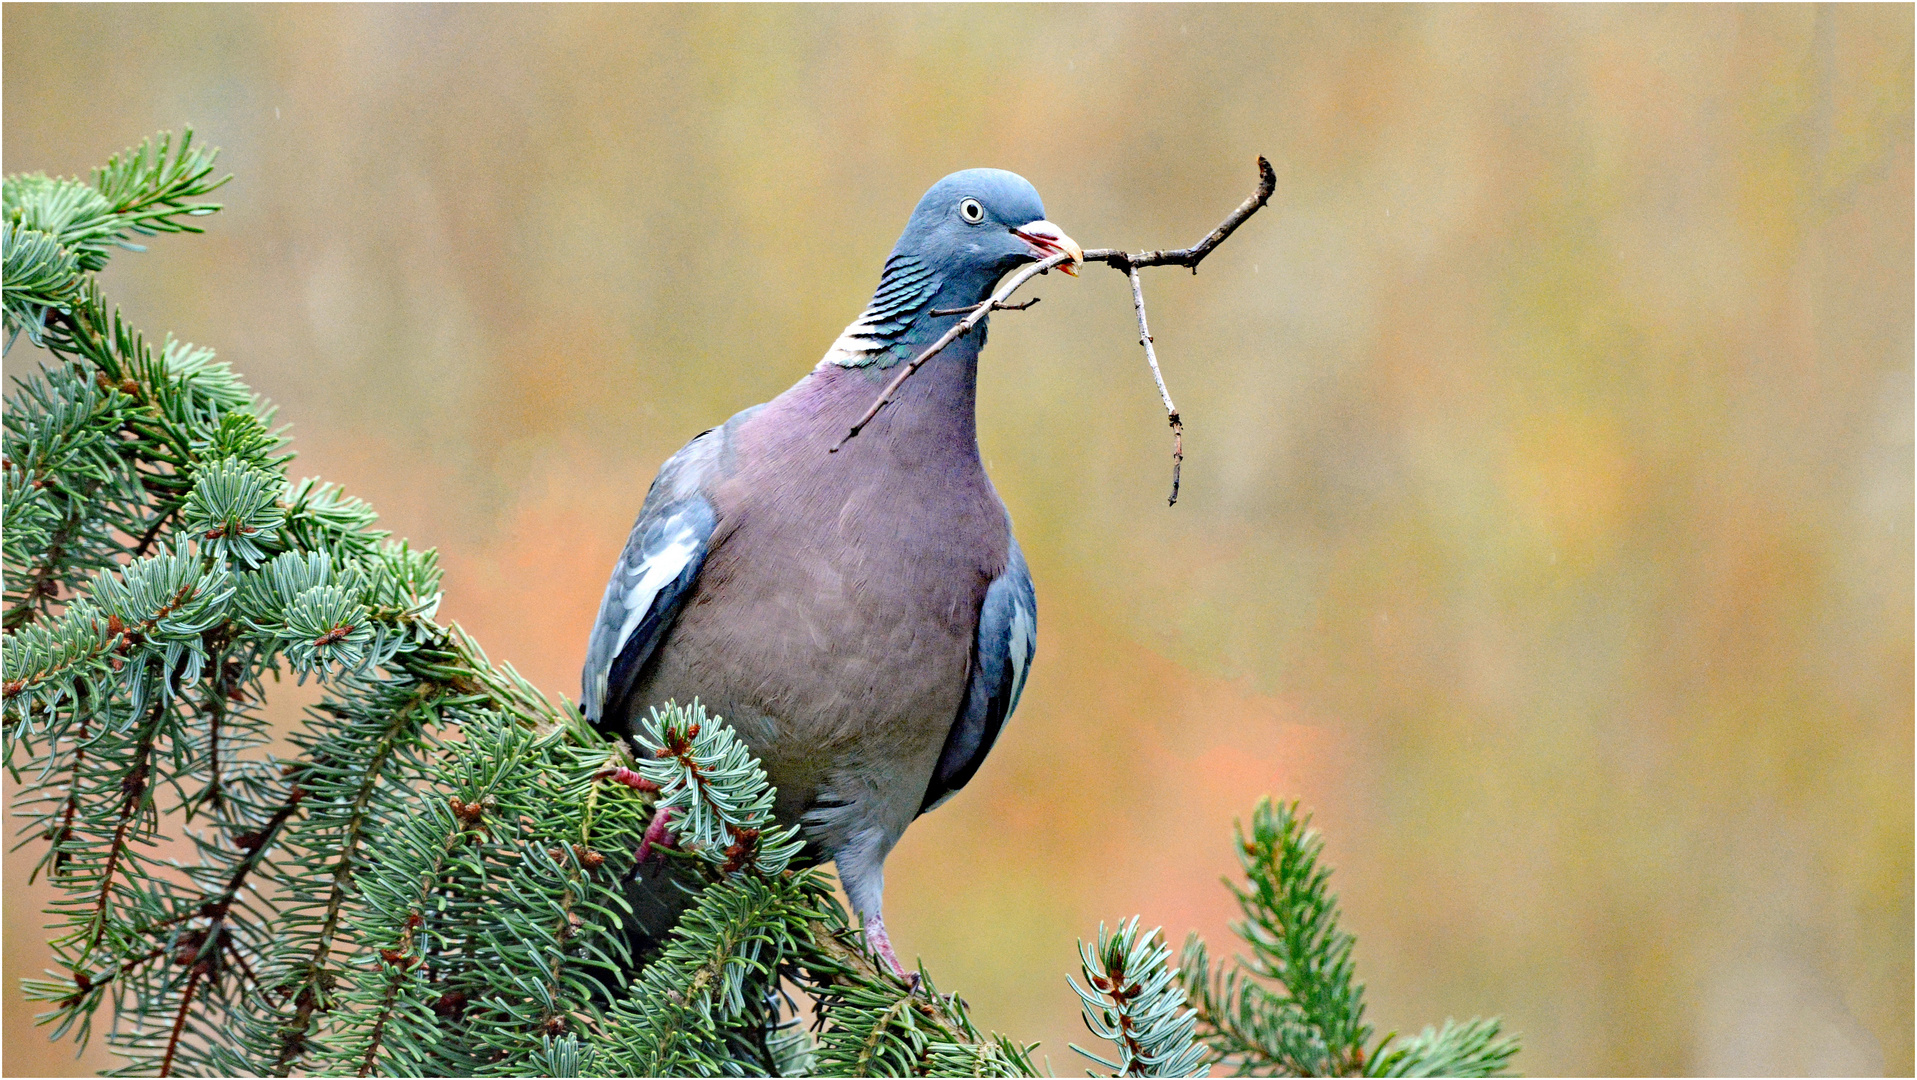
x=1024 y=628
x=659 y=567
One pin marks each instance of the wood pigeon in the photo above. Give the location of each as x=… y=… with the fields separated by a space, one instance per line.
x=863 y=619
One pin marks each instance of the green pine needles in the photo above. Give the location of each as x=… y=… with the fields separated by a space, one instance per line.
x=1136 y=1002
x=1293 y=1007
x=715 y=792
x=432 y=881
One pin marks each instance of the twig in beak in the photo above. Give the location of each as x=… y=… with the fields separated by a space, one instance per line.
x=959 y=329
x=936 y=312
x=1126 y=262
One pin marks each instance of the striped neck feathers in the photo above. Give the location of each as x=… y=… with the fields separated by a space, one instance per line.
x=883 y=334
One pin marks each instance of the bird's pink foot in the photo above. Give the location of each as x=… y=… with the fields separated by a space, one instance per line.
x=658 y=834
x=881 y=944
x=619 y=774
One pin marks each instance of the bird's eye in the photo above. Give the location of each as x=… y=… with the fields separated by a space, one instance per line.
x=970 y=210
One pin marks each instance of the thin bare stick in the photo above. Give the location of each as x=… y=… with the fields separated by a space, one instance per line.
x=1192 y=256
x=936 y=312
x=1151 y=357
x=959 y=329
x=1127 y=263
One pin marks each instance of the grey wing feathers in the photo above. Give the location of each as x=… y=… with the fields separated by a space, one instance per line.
x=1002 y=657
x=662 y=559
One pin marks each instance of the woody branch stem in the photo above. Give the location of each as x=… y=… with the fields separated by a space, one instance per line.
x=959 y=329
x=938 y=312
x=1151 y=357
x=1190 y=257
x=1126 y=262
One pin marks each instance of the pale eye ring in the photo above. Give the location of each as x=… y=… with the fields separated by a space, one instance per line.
x=971 y=211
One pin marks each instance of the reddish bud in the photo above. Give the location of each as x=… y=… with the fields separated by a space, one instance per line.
x=189 y=948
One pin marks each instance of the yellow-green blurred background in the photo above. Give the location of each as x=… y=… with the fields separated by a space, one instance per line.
x=1547 y=519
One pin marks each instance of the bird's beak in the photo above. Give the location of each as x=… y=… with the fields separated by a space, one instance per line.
x=1048 y=239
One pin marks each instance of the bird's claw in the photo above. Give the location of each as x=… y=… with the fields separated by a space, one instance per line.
x=881 y=945
x=659 y=832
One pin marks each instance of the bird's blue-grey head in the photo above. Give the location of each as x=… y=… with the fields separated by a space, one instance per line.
x=968 y=231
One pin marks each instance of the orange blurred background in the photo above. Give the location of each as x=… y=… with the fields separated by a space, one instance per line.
x=1547 y=516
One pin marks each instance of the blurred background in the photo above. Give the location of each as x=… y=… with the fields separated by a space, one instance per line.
x=1547 y=513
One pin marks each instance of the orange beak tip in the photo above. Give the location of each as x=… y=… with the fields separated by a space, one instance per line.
x=1048 y=239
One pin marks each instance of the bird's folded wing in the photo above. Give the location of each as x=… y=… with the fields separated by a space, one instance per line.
x=1007 y=638
x=662 y=559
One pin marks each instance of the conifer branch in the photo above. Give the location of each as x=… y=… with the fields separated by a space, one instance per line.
x=713 y=974
x=1473 y=1048
x=55 y=858
x=312 y=980
x=133 y=791
x=1134 y=1000
x=432 y=883
x=719 y=793
x=179 y=1019
x=876 y=1025
x=1293 y=1007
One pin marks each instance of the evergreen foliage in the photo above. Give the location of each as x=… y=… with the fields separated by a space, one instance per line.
x=1293 y=1007
x=715 y=792
x=1136 y=1003
x=431 y=881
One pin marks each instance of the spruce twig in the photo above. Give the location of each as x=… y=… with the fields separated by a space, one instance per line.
x=1293 y=1007
x=1135 y=1001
